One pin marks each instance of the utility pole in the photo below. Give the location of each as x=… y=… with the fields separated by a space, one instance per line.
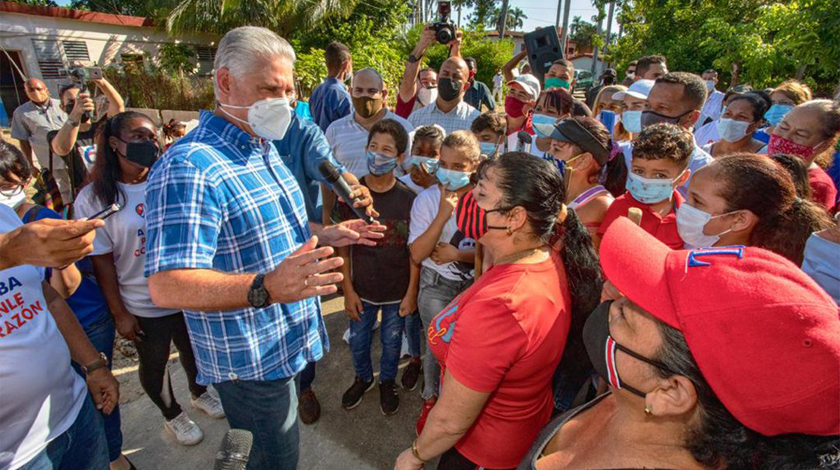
x=503 y=19
x=598 y=32
x=565 y=39
x=609 y=27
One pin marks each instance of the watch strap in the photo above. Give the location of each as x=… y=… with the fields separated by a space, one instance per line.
x=258 y=292
x=97 y=364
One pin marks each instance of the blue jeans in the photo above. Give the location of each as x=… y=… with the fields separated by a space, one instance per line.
x=101 y=334
x=267 y=408
x=413 y=331
x=307 y=377
x=435 y=294
x=81 y=447
x=361 y=336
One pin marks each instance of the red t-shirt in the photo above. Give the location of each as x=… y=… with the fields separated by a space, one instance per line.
x=663 y=228
x=823 y=191
x=511 y=330
x=404 y=108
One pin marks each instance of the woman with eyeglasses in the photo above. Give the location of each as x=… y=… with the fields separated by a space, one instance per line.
x=605 y=101
x=127 y=147
x=74 y=282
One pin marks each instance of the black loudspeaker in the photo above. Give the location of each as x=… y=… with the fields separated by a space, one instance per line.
x=543 y=46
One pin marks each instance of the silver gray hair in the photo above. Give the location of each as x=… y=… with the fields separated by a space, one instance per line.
x=247 y=48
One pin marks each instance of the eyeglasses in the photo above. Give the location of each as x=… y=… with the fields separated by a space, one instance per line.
x=13 y=189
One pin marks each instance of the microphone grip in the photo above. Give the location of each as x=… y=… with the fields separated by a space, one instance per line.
x=341 y=188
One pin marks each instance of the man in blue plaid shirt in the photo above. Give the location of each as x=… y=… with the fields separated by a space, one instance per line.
x=229 y=242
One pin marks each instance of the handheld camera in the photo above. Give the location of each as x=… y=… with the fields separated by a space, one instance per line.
x=444 y=28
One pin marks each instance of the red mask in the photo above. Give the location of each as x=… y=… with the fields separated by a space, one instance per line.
x=782 y=146
x=513 y=106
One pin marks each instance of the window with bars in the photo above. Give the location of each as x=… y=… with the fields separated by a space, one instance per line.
x=206 y=56
x=49 y=57
x=55 y=55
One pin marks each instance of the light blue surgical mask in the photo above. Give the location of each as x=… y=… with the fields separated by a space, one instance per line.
x=379 y=164
x=822 y=263
x=451 y=179
x=632 y=121
x=650 y=191
x=427 y=163
x=488 y=148
x=542 y=119
x=731 y=130
x=776 y=113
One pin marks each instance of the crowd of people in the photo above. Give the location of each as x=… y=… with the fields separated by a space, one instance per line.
x=648 y=279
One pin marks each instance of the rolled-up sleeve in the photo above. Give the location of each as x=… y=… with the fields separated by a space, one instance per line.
x=184 y=215
x=19 y=131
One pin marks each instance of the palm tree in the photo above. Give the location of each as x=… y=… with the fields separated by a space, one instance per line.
x=460 y=4
x=515 y=17
x=281 y=16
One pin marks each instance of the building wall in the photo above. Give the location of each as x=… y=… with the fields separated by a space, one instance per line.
x=105 y=42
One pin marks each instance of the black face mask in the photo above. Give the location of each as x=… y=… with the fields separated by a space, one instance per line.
x=143 y=153
x=448 y=89
x=650 y=118
x=601 y=348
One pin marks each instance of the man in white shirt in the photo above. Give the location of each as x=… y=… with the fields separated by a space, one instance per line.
x=714 y=100
x=449 y=110
x=348 y=136
x=497 y=86
x=47 y=418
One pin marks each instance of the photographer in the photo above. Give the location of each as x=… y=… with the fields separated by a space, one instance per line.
x=418 y=87
x=74 y=141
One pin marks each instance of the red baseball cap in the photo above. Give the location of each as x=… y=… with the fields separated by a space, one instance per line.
x=765 y=336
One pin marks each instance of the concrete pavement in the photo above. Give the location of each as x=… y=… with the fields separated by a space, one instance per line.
x=359 y=439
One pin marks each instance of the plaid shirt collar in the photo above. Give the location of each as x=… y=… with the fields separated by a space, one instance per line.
x=243 y=144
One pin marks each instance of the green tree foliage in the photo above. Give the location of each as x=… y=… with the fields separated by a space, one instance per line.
x=36 y=3
x=583 y=33
x=485 y=12
x=281 y=16
x=177 y=59
x=759 y=42
x=490 y=55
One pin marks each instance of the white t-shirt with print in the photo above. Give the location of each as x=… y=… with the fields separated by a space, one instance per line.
x=423 y=212
x=124 y=235
x=40 y=394
x=406 y=179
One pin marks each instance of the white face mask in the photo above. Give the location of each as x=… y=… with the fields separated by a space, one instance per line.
x=731 y=130
x=690 y=224
x=269 y=118
x=426 y=95
x=13 y=201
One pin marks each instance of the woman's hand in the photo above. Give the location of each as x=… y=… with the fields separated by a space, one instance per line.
x=407 y=461
x=444 y=253
x=353 y=305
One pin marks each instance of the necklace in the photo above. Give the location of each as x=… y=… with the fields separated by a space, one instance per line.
x=509 y=259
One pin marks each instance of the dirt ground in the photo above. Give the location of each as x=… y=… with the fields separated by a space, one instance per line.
x=359 y=439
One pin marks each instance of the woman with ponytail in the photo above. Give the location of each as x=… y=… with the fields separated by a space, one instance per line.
x=126 y=148
x=592 y=167
x=748 y=200
x=500 y=341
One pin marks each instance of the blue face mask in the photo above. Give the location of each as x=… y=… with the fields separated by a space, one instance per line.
x=426 y=163
x=650 y=191
x=776 y=113
x=821 y=264
x=560 y=164
x=379 y=164
x=632 y=121
x=542 y=119
x=488 y=148
x=451 y=179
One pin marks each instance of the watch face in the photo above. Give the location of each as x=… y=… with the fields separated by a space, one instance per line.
x=258 y=296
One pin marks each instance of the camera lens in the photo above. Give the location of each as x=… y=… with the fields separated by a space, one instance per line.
x=444 y=36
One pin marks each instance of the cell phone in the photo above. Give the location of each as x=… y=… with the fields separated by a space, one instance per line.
x=106 y=212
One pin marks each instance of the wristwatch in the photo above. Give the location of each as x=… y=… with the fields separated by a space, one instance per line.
x=412 y=59
x=258 y=295
x=74 y=123
x=97 y=364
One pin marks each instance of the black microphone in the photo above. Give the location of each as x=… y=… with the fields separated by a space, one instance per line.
x=235 y=450
x=524 y=139
x=340 y=186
